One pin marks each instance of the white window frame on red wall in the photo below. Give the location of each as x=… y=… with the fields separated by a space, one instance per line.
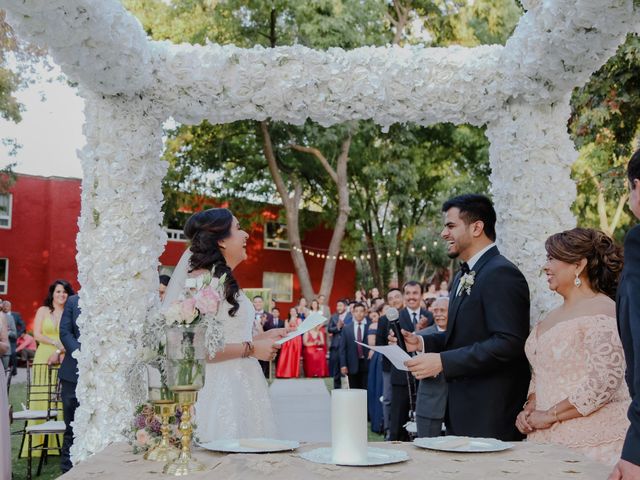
x=6 y=214
x=4 y=281
x=277 y=294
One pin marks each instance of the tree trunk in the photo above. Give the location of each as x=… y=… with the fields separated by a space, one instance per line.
x=291 y=205
x=340 y=178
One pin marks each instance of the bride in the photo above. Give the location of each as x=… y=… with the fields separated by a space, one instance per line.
x=234 y=402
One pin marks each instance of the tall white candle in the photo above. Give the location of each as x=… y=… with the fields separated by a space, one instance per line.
x=349 y=426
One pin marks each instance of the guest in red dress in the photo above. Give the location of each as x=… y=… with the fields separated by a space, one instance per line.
x=289 y=358
x=314 y=353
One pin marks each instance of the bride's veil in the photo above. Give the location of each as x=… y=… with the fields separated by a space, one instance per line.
x=177 y=282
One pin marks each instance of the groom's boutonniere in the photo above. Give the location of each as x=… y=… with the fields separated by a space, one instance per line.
x=467 y=281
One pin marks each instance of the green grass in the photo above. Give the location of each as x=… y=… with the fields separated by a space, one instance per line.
x=17 y=396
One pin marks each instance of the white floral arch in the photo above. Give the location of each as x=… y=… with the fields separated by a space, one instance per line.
x=131 y=85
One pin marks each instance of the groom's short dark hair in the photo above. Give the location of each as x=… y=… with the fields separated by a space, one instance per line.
x=633 y=169
x=473 y=208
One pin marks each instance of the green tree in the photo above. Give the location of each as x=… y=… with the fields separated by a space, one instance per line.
x=604 y=125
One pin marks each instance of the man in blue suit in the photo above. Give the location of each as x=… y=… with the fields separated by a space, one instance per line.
x=68 y=374
x=337 y=321
x=353 y=357
x=628 y=313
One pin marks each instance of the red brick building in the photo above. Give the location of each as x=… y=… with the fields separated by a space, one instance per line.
x=38 y=228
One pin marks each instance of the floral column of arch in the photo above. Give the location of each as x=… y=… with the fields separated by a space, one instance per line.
x=531 y=156
x=119 y=244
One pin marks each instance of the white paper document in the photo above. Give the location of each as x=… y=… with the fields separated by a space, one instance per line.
x=309 y=323
x=394 y=354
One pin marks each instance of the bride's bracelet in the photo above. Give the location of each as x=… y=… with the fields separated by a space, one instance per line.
x=247 y=349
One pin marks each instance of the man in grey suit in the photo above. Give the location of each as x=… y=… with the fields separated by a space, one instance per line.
x=431 y=403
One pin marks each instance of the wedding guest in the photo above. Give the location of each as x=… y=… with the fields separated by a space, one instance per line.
x=324 y=308
x=162 y=288
x=337 y=321
x=482 y=352
x=315 y=306
x=302 y=309
x=353 y=358
x=430 y=293
x=431 y=402
x=46 y=331
x=628 y=311
x=20 y=329
x=70 y=338
x=6 y=356
x=444 y=289
x=11 y=360
x=288 y=365
x=20 y=325
x=375 y=388
x=360 y=296
x=314 y=353
x=403 y=385
x=576 y=356
x=274 y=321
x=394 y=300
x=262 y=319
x=5 y=434
x=374 y=294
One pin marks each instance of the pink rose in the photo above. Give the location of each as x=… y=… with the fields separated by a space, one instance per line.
x=189 y=312
x=207 y=300
x=143 y=437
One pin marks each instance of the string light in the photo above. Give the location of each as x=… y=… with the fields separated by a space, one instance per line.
x=367 y=254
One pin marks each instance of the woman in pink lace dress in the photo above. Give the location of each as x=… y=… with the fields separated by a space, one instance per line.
x=578 y=397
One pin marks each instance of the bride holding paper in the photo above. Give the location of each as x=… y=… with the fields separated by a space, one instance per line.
x=234 y=402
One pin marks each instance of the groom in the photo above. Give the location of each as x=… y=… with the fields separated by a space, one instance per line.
x=482 y=352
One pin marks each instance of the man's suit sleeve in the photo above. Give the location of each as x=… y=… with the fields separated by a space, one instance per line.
x=631 y=448
x=67 y=337
x=333 y=324
x=20 y=326
x=383 y=331
x=342 y=350
x=505 y=304
x=434 y=342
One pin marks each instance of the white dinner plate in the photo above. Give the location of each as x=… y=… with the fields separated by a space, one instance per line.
x=251 y=445
x=452 y=443
x=375 y=456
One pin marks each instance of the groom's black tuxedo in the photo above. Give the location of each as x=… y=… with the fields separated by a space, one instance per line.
x=628 y=313
x=482 y=350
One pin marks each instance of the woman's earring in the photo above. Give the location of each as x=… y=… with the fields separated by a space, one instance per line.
x=577 y=281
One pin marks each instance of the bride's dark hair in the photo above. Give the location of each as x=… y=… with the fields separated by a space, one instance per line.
x=205 y=229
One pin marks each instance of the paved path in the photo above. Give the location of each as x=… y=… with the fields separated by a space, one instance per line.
x=302 y=408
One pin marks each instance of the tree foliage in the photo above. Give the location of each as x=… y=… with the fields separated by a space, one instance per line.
x=604 y=125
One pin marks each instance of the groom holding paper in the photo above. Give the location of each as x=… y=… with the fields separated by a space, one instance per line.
x=482 y=352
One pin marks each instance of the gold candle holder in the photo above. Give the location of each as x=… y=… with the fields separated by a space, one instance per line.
x=163 y=451
x=184 y=464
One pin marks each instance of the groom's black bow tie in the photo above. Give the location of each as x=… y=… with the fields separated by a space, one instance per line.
x=464 y=268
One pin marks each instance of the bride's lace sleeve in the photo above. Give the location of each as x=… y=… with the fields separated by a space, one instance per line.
x=605 y=366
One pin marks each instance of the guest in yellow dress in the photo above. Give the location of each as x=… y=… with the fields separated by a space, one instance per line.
x=50 y=350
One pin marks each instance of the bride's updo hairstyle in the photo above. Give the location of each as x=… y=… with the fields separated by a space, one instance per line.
x=205 y=229
x=604 y=257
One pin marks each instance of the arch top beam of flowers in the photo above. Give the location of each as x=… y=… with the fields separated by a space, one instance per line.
x=555 y=47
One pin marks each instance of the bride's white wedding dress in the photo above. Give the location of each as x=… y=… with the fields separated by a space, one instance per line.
x=234 y=402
